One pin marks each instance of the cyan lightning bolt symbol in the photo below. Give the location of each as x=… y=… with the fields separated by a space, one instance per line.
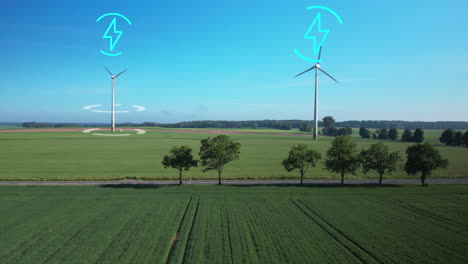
x=113 y=41
x=308 y=35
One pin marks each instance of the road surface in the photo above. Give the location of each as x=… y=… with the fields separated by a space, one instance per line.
x=233 y=182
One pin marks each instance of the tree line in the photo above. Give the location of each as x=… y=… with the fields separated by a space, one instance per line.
x=342 y=158
x=412 y=125
x=214 y=154
x=277 y=124
x=455 y=138
x=45 y=125
x=392 y=134
x=306 y=125
x=329 y=128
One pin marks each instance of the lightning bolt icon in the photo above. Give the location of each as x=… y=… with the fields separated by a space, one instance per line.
x=113 y=41
x=317 y=44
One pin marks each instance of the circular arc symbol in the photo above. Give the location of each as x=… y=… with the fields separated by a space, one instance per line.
x=87 y=131
x=138 y=108
x=331 y=12
x=113 y=14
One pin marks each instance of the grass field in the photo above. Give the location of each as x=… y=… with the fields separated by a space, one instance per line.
x=234 y=224
x=10 y=127
x=78 y=156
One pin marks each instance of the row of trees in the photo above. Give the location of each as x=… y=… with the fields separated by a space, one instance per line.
x=344 y=158
x=333 y=131
x=329 y=128
x=409 y=136
x=297 y=123
x=273 y=124
x=214 y=154
x=404 y=124
x=45 y=125
x=379 y=133
x=278 y=124
x=450 y=137
x=392 y=134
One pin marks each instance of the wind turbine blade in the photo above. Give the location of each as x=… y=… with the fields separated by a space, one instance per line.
x=320 y=54
x=108 y=71
x=328 y=75
x=313 y=67
x=120 y=73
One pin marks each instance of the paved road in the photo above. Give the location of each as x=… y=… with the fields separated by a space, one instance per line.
x=233 y=182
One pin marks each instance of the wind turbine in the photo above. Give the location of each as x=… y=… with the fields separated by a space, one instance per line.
x=113 y=77
x=317 y=68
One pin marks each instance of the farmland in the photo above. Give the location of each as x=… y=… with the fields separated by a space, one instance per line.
x=78 y=156
x=233 y=224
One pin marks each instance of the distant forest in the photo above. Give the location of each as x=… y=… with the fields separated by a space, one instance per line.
x=278 y=124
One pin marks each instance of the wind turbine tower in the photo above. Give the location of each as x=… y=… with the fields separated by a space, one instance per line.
x=317 y=68
x=113 y=77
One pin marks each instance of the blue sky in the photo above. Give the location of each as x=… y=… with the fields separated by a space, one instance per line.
x=234 y=60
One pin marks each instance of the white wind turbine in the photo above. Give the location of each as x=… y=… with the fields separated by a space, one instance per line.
x=317 y=68
x=113 y=89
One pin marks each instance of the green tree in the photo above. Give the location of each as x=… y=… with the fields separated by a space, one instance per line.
x=179 y=158
x=447 y=137
x=383 y=133
x=407 y=135
x=342 y=132
x=377 y=157
x=216 y=152
x=254 y=125
x=393 y=134
x=328 y=121
x=330 y=131
x=374 y=135
x=350 y=131
x=342 y=157
x=305 y=127
x=301 y=157
x=465 y=139
x=423 y=158
x=364 y=132
x=458 y=138
x=418 y=136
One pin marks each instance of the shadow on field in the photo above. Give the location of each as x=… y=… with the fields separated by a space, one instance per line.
x=320 y=185
x=245 y=185
x=134 y=186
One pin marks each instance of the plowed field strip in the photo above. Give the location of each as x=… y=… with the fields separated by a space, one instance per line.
x=176 y=235
x=187 y=245
x=336 y=234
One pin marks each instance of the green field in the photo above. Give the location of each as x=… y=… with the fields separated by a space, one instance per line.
x=78 y=156
x=10 y=127
x=234 y=224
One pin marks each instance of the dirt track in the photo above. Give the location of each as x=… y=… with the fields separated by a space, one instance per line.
x=160 y=130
